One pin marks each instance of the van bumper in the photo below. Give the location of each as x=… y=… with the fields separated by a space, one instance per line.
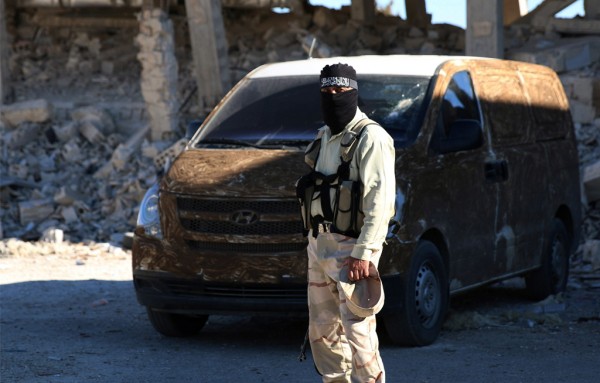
x=187 y=290
x=193 y=295
x=170 y=293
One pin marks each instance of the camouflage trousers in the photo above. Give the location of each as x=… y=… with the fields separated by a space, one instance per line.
x=345 y=347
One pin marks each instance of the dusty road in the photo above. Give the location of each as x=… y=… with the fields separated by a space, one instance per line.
x=69 y=317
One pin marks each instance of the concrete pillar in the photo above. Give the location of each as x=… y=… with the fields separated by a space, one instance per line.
x=513 y=10
x=416 y=13
x=4 y=52
x=209 y=50
x=485 y=32
x=363 y=11
x=592 y=9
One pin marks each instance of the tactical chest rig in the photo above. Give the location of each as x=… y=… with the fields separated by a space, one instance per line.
x=346 y=215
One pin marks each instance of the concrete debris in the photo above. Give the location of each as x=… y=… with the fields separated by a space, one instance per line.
x=52 y=235
x=562 y=55
x=552 y=304
x=591 y=253
x=93 y=123
x=35 y=211
x=26 y=111
x=468 y=320
x=20 y=136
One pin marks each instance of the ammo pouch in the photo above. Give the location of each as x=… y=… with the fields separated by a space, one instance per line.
x=346 y=215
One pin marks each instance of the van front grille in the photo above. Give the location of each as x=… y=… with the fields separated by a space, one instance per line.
x=225 y=227
x=239 y=217
x=218 y=206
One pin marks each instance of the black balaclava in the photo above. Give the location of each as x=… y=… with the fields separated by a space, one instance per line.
x=340 y=108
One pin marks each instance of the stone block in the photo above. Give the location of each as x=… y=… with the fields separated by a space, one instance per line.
x=65 y=132
x=91 y=131
x=591 y=181
x=71 y=151
x=574 y=26
x=26 y=111
x=52 y=235
x=66 y=196
x=581 y=112
x=584 y=89
x=69 y=214
x=35 y=210
x=23 y=134
x=101 y=118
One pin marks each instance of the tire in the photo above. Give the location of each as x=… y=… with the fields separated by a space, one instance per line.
x=175 y=325
x=426 y=297
x=551 y=278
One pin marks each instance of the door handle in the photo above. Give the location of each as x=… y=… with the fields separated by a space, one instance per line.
x=496 y=171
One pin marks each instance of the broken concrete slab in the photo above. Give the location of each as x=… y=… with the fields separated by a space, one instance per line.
x=98 y=118
x=26 y=111
x=574 y=26
x=582 y=88
x=23 y=134
x=52 y=235
x=582 y=112
x=69 y=214
x=35 y=211
x=561 y=55
x=66 y=196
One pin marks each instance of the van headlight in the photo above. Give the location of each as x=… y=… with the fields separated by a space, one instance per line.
x=149 y=217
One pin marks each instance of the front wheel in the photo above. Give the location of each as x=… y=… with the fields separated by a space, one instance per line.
x=426 y=299
x=552 y=276
x=175 y=325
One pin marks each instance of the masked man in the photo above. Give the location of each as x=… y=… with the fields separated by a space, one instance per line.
x=352 y=193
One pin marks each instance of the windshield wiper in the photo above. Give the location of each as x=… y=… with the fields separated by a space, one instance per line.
x=281 y=143
x=268 y=144
x=227 y=141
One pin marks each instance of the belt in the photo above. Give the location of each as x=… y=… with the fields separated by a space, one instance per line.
x=328 y=227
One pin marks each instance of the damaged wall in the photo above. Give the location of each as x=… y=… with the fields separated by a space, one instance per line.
x=79 y=145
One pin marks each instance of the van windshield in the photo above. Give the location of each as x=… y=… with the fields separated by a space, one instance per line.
x=285 y=111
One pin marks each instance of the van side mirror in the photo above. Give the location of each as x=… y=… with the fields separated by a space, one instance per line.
x=192 y=127
x=462 y=135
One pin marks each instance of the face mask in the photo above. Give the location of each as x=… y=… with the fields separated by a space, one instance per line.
x=339 y=109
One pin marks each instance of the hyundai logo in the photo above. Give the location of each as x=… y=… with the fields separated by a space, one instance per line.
x=244 y=217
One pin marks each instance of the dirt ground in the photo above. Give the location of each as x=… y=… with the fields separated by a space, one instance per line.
x=70 y=315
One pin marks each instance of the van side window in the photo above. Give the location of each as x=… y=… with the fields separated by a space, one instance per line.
x=459 y=103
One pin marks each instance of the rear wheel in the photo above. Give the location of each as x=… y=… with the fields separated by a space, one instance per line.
x=175 y=325
x=552 y=276
x=425 y=300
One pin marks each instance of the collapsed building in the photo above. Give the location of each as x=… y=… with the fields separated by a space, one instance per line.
x=99 y=98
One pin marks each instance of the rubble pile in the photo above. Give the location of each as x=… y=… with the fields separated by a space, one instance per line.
x=79 y=176
x=78 y=151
